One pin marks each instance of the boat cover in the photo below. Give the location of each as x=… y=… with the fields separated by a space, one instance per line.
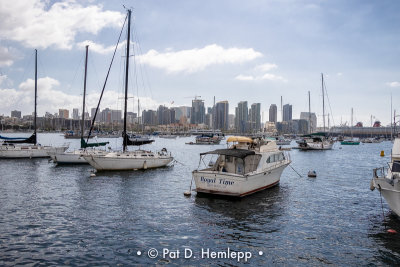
x=238 y=153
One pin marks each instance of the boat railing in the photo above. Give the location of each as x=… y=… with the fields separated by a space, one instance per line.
x=379 y=172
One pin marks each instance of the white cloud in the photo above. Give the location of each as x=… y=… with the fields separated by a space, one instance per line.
x=241 y=77
x=339 y=74
x=51 y=98
x=197 y=59
x=393 y=84
x=6 y=56
x=99 y=48
x=266 y=67
x=2 y=78
x=37 y=24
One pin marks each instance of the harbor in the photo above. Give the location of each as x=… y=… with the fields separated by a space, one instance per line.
x=60 y=215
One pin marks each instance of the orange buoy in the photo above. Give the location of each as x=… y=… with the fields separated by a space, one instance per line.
x=382 y=153
x=392 y=231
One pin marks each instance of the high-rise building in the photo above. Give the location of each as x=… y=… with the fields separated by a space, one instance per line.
x=242 y=116
x=16 y=114
x=116 y=115
x=255 y=117
x=198 y=113
x=75 y=114
x=222 y=115
x=165 y=115
x=63 y=113
x=310 y=117
x=287 y=112
x=149 y=117
x=273 y=113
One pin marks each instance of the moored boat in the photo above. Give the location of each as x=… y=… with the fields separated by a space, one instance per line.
x=248 y=166
x=387 y=180
x=315 y=141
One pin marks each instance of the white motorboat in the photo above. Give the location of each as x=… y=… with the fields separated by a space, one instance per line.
x=27 y=147
x=248 y=166
x=74 y=157
x=387 y=180
x=126 y=159
x=316 y=141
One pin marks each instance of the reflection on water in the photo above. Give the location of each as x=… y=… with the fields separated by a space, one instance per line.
x=59 y=215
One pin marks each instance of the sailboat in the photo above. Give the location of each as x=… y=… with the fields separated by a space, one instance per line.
x=27 y=147
x=320 y=140
x=76 y=156
x=350 y=141
x=125 y=159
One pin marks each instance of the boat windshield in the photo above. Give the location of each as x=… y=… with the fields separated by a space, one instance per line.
x=396 y=166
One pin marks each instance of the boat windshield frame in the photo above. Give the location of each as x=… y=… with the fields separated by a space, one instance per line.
x=238 y=153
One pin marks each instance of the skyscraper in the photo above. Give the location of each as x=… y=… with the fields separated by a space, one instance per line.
x=273 y=113
x=287 y=112
x=222 y=115
x=255 y=117
x=198 y=113
x=75 y=114
x=242 y=116
x=310 y=117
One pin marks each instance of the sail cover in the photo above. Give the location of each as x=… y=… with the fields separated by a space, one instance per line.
x=20 y=140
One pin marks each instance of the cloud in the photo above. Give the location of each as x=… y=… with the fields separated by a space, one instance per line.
x=37 y=24
x=261 y=73
x=51 y=98
x=266 y=67
x=99 y=48
x=393 y=84
x=6 y=56
x=197 y=59
x=339 y=74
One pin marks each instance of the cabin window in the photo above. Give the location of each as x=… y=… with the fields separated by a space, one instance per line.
x=269 y=160
x=396 y=166
x=280 y=156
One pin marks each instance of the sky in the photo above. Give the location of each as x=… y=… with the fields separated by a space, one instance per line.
x=255 y=51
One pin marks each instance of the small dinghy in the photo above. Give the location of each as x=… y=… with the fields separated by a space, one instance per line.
x=312 y=174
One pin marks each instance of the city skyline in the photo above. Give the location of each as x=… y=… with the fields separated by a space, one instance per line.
x=275 y=49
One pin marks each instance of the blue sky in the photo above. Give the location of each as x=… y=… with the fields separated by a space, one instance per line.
x=233 y=50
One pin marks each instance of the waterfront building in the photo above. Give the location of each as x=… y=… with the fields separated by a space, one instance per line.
x=287 y=112
x=165 y=115
x=16 y=114
x=231 y=121
x=241 y=115
x=75 y=114
x=222 y=115
x=255 y=117
x=116 y=115
x=63 y=113
x=149 y=117
x=198 y=113
x=313 y=120
x=273 y=113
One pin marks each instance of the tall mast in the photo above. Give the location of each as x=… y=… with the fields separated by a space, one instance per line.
x=309 y=113
x=281 y=108
x=351 y=126
x=391 y=112
x=126 y=80
x=84 y=94
x=35 y=115
x=323 y=99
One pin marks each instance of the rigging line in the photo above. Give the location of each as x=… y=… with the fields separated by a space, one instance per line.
x=329 y=103
x=93 y=66
x=142 y=66
x=27 y=66
x=105 y=82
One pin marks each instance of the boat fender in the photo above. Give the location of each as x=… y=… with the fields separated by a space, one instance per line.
x=145 y=165
x=392 y=231
x=371 y=185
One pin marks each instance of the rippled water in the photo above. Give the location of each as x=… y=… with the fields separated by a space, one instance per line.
x=59 y=215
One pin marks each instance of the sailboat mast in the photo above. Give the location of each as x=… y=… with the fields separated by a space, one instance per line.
x=309 y=113
x=126 y=80
x=351 y=126
x=84 y=94
x=35 y=115
x=323 y=99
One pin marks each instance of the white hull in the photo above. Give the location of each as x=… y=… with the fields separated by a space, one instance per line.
x=317 y=146
x=29 y=151
x=221 y=183
x=127 y=161
x=73 y=157
x=391 y=193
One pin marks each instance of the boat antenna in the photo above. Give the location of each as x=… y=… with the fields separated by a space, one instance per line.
x=105 y=83
x=309 y=113
x=84 y=93
x=126 y=80
x=34 y=119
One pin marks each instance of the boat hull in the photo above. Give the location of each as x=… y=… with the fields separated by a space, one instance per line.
x=120 y=163
x=29 y=151
x=220 y=183
x=317 y=146
x=74 y=157
x=391 y=193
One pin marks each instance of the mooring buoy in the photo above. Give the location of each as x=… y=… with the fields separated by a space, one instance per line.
x=187 y=194
x=312 y=174
x=382 y=153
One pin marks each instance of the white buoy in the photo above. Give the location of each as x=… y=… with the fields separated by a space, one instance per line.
x=187 y=194
x=92 y=175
